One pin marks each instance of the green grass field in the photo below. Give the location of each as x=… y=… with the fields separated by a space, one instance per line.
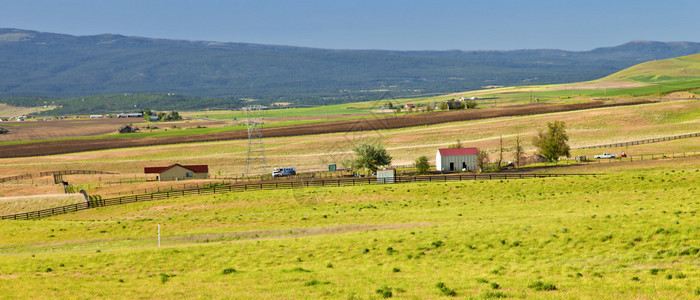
x=632 y=234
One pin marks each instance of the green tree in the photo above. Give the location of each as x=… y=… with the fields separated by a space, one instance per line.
x=470 y=104
x=553 y=143
x=422 y=165
x=370 y=156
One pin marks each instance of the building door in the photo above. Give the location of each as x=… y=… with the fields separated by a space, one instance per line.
x=452 y=166
x=464 y=166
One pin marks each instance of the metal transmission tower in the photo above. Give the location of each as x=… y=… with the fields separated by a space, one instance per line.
x=256 y=150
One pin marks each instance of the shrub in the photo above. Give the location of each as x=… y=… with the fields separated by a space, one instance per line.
x=229 y=271
x=315 y=282
x=396 y=270
x=445 y=290
x=422 y=165
x=495 y=294
x=495 y=286
x=165 y=277
x=654 y=271
x=437 y=244
x=385 y=292
x=542 y=286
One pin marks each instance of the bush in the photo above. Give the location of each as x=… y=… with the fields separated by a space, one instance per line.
x=422 y=165
x=165 y=277
x=229 y=271
x=315 y=282
x=496 y=294
x=385 y=292
x=445 y=290
x=542 y=286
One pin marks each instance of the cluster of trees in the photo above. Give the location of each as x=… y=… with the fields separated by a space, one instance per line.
x=162 y=116
x=452 y=104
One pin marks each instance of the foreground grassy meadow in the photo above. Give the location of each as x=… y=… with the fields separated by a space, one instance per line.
x=631 y=234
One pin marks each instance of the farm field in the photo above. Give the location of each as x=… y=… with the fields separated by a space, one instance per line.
x=632 y=234
x=120 y=141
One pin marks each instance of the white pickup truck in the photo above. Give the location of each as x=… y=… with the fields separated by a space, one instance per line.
x=604 y=155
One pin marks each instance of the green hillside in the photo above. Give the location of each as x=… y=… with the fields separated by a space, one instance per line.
x=677 y=69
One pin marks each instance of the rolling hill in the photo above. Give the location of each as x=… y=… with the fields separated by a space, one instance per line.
x=36 y=64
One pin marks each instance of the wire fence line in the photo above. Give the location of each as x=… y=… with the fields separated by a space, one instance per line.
x=630 y=158
x=49 y=173
x=313 y=182
x=647 y=141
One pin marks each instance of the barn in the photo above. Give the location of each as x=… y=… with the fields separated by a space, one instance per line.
x=179 y=172
x=456 y=159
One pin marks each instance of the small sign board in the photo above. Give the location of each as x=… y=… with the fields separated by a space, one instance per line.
x=386 y=176
x=331 y=167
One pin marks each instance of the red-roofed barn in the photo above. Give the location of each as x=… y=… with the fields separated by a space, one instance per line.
x=455 y=159
x=179 y=172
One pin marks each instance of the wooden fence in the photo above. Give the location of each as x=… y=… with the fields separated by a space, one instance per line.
x=647 y=141
x=265 y=186
x=49 y=173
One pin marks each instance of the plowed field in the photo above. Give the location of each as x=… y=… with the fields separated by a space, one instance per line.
x=367 y=124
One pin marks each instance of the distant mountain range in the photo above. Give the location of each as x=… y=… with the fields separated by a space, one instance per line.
x=37 y=64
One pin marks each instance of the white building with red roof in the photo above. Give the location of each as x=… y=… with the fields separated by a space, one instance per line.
x=456 y=159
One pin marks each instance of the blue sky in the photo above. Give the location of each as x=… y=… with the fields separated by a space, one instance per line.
x=365 y=24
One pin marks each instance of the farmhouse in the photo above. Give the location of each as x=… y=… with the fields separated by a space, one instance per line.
x=453 y=159
x=179 y=172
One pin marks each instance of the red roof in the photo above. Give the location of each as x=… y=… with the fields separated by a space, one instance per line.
x=193 y=168
x=458 y=151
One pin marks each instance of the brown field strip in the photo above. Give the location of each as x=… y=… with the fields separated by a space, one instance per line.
x=367 y=124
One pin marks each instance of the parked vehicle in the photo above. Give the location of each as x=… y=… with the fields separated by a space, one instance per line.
x=605 y=155
x=280 y=172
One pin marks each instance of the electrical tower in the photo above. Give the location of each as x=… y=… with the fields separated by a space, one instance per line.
x=256 y=150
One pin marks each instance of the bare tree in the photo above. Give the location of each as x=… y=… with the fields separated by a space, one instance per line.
x=500 y=153
x=518 y=151
x=481 y=159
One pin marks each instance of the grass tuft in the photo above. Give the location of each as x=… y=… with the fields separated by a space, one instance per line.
x=542 y=286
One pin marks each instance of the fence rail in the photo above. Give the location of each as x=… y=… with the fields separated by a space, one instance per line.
x=647 y=141
x=49 y=173
x=266 y=186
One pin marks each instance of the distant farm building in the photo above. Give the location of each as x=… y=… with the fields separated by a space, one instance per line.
x=455 y=159
x=410 y=106
x=179 y=172
x=130 y=115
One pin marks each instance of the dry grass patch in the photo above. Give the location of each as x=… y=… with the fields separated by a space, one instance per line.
x=19 y=204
